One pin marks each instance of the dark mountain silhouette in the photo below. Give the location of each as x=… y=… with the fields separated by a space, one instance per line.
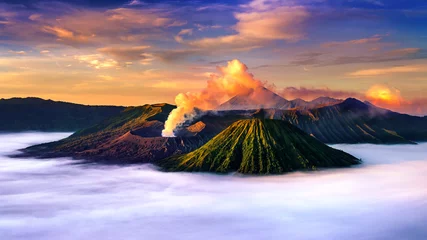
x=35 y=114
x=259 y=146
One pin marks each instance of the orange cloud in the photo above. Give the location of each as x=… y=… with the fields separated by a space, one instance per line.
x=391 y=98
x=384 y=96
x=66 y=35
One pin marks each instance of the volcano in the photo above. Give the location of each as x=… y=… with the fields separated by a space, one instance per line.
x=257 y=98
x=260 y=146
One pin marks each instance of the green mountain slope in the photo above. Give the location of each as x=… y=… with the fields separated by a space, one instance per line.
x=260 y=147
x=35 y=114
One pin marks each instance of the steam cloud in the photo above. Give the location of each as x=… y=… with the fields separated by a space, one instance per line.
x=234 y=79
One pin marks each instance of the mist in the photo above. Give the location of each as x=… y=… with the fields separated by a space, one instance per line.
x=384 y=198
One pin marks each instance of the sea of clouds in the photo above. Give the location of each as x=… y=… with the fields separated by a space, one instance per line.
x=384 y=198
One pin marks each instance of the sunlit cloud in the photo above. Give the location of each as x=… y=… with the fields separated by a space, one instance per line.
x=97 y=61
x=384 y=96
x=257 y=26
x=18 y=52
x=391 y=98
x=389 y=70
x=66 y=35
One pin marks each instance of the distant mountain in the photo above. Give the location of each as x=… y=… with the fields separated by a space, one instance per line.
x=258 y=146
x=323 y=102
x=264 y=98
x=35 y=114
x=257 y=98
x=353 y=121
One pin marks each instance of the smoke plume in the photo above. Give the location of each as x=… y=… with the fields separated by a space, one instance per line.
x=233 y=79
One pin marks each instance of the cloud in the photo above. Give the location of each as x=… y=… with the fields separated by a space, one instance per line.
x=180 y=54
x=66 y=35
x=97 y=61
x=312 y=93
x=256 y=26
x=202 y=27
x=388 y=97
x=135 y=3
x=373 y=39
x=125 y=53
x=73 y=26
x=323 y=59
x=18 y=52
x=106 y=77
x=389 y=70
x=178 y=37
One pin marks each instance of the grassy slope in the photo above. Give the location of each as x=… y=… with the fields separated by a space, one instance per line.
x=260 y=147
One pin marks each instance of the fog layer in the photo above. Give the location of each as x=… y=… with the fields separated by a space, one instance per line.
x=384 y=198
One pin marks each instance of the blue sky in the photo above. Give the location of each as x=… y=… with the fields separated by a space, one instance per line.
x=149 y=51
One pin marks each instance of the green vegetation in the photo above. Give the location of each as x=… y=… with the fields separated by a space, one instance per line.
x=258 y=146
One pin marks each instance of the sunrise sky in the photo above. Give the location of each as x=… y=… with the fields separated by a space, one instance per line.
x=125 y=52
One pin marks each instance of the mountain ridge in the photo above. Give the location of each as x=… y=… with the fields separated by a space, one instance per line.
x=36 y=114
x=262 y=97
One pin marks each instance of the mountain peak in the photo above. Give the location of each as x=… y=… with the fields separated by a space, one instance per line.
x=260 y=97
